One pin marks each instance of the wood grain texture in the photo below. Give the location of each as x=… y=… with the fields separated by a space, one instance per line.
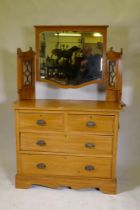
x=24 y=59
x=65 y=165
x=51 y=121
x=107 y=186
x=68 y=105
x=114 y=92
x=79 y=122
x=73 y=144
x=70 y=153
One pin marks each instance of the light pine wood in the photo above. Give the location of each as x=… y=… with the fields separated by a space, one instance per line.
x=73 y=155
x=26 y=74
x=52 y=121
x=79 y=122
x=108 y=107
x=102 y=145
x=105 y=185
x=73 y=144
x=115 y=145
x=114 y=92
x=51 y=142
x=65 y=165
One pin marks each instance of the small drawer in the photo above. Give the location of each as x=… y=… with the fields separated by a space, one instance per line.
x=66 y=165
x=41 y=121
x=90 y=123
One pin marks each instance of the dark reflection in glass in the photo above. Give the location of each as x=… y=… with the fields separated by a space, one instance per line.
x=71 y=58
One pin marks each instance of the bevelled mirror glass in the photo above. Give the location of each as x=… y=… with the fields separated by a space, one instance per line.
x=71 y=56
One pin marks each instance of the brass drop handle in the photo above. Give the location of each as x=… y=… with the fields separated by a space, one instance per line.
x=90 y=124
x=41 y=143
x=89 y=145
x=41 y=165
x=89 y=168
x=41 y=122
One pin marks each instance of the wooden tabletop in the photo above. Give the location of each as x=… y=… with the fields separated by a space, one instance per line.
x=77 y=105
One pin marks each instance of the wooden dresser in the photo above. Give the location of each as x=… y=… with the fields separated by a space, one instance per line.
x=67 y=143
x=71 y=143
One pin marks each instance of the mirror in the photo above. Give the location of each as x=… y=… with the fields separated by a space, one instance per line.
x=71 y=56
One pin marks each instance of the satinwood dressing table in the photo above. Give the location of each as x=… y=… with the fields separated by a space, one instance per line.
x=71 y=143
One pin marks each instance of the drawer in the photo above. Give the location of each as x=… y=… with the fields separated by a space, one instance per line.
x=90 y=144
x=42 y=142
x=41 y=121
x=90 y=123
x=76 y=144
x=65 y=165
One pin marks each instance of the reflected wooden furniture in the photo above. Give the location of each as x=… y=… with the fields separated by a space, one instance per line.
x=67 y=143
x=83 y=30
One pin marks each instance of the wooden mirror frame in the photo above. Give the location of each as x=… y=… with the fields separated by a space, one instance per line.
x=112 y=74
x=102 y=29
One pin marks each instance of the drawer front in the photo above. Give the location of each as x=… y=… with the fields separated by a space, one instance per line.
x=90 y=144
x=85 y=144
x=90 y=123
x=43 y=142
x=41 y=122
x=65 y=165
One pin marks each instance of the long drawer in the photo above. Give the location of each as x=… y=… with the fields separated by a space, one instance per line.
x=41 y=121
x=77 y=144
x=81 y=166
x=90 y=123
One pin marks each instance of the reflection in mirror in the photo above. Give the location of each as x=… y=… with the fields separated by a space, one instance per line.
x=70 y=57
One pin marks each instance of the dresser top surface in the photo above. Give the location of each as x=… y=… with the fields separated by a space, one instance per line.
x=77 y=105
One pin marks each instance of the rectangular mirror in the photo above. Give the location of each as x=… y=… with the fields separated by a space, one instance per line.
x=71 y=56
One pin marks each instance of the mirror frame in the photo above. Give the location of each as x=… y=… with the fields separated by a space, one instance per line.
x=41 y=28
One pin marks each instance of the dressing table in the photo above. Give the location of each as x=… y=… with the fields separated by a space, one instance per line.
x=68 y=143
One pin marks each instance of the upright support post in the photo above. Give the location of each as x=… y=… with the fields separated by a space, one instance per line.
x=114 y=76
x=26 y=74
